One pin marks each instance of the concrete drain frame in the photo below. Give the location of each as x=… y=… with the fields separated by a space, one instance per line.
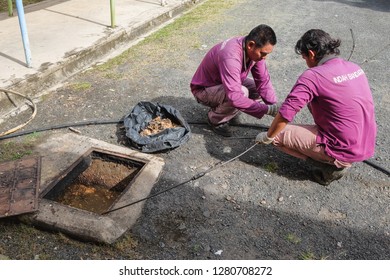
x=90 y=225
x=95 y=181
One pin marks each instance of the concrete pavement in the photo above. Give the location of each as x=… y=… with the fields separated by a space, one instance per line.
x=65 y=36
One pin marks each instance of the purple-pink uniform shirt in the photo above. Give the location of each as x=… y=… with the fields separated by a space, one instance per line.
x=224 y=65
x=339 y=97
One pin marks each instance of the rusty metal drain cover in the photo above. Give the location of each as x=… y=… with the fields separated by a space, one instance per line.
x=19 y=186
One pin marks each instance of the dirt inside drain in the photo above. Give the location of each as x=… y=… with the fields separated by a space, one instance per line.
x=95 y=182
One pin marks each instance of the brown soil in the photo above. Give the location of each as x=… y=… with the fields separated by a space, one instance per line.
x=107 y=174
x=98 y=186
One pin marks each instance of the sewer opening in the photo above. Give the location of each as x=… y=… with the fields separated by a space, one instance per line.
x=95 y=182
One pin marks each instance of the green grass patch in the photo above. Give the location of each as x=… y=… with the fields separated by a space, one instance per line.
x=293 y=238
x=308 y=256
x=14 y=150
x=196 y=248
x=125 y=243
x=272 y=167
x=311 y=256
x=177 y=35
x=81 y=86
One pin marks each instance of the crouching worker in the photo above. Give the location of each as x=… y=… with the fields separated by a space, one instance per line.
x=221 y=81
x=339 y=98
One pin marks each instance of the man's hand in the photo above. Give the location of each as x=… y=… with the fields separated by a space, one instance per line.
x=262 y=138
x=273 y=109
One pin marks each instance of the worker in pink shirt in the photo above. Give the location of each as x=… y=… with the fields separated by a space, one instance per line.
x=221 y=81
x=339 y=98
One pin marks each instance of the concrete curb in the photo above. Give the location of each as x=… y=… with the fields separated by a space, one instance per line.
x=51 y=75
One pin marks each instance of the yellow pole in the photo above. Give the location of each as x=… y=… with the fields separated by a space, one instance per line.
x=112 y=9
x=10 y=9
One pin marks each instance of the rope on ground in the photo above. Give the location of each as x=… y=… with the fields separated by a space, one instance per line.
x=34 y=112
x=100 y=122
x=353 y=44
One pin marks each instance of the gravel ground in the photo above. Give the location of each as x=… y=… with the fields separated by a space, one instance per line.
x=260 y=206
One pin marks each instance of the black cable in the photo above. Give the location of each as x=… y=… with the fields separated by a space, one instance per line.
x=98 y=122
x=378 y=167
x=195 y=177
x=353 y=45
x=255 y=126
x=60 y=126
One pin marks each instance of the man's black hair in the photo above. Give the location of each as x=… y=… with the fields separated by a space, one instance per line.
x=262 y=35
x=319 y=42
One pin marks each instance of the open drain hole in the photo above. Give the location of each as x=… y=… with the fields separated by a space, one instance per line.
x=95 y=182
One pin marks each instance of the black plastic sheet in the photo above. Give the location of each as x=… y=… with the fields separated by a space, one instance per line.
x=139 y=118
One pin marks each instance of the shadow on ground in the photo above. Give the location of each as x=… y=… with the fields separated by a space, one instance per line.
x=376 y=5
x=265 y=157
x=183 y=232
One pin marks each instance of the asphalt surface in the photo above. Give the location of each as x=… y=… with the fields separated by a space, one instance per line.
x=262 y=205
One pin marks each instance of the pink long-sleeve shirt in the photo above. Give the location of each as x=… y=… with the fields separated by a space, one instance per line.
x=339 y=97
x=224 y=64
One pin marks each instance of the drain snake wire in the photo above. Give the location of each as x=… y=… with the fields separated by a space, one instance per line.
x=193 y=178
x=378 y=167
x=100 y=122
x=61 y=126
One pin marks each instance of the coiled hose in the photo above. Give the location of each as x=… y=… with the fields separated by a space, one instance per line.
x=34 y=112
